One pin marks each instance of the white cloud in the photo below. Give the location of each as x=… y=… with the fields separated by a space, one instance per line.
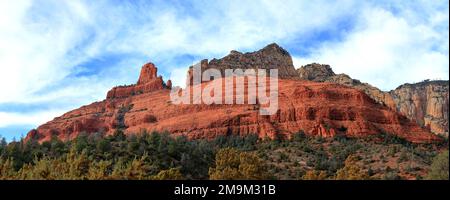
x=388 y=50
x=33 y=54
x=42 y=42
x=14 y=118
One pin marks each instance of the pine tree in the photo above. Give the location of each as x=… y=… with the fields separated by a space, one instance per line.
x=137 y=169
x=78 y=164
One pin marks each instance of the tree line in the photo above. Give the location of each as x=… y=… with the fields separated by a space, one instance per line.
x=160 y=156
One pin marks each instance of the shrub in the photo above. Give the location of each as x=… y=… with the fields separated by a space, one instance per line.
x=351 y=171
x=392 y=175
x=314 y=175
x=232 y=164
x=150 y=118
x=170 y=174
x=403 y=157
x=439 y=167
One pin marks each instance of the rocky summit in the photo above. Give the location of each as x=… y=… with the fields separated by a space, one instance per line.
x=148 y=82
x=270 y=57
x=313 y=105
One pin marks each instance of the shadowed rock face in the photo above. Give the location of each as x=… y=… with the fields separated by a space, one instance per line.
x=317 y=108
x=425 y=103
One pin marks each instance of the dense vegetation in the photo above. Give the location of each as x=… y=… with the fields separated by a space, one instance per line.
x=160 y=156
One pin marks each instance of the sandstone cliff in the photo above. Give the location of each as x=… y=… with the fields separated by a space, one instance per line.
x=324 y=109
x=425 y=103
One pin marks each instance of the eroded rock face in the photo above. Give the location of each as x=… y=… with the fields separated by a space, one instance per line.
x=425 y=103
x=324 y=73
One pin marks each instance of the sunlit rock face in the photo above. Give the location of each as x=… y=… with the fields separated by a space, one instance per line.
x=425 y=103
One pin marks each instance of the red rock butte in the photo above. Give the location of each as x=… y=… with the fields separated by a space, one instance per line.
x=316 y=108
x=148 y=82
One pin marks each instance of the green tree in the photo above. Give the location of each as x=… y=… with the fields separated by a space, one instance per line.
x=3 y=144
x=439 y=167
x=314 y=175
x=81 y=142
x=7 y=169
x=41 y=170
x=78 y=165
x=137 y=169
x=103 y=145
x=99 y=170
x=351 y=170
x=170 y=174
x=232 y=164
x=119 y=169
x=118 y=135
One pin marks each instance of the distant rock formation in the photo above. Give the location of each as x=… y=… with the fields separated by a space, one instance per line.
x=425 y=103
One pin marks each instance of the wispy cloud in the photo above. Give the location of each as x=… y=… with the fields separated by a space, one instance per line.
x=12 y=118
x=69 y=53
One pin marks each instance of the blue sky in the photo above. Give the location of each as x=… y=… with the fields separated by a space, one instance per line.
x=58 y=55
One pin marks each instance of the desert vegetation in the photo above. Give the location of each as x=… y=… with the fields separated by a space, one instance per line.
x=159 y=156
